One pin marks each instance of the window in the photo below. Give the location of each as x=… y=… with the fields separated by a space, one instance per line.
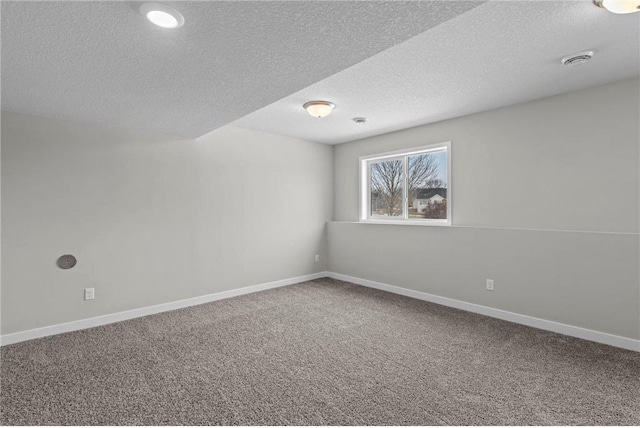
x=409 y=186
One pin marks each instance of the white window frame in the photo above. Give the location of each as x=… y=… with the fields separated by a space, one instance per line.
x=365 y=186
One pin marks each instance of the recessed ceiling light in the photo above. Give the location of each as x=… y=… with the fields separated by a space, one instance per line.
x=319 y=109
x=162 y=15
x=360 y=120
x=619 y=6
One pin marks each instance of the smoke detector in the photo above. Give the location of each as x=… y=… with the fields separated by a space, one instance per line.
x=360 y=120
x=578 y=58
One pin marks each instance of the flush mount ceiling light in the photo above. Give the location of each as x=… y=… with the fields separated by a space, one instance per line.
x=319 y=109
x=619 y=6
x=162 y=15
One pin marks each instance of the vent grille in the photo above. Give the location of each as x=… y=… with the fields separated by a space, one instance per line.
x=577 y=59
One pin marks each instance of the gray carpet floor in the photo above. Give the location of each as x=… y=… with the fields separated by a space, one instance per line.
x=324 y=352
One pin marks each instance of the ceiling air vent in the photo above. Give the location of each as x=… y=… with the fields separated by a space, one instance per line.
x=577 y=59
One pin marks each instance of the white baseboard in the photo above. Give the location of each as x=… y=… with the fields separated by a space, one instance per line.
x=21 y=336
x=569 y=330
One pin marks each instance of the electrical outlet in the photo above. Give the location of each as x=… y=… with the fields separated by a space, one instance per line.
x=490 y=284
x=89 y=293
x=317 y=258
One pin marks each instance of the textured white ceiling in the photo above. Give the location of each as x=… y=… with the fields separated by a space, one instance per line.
x=102 y=62
x=498 y=54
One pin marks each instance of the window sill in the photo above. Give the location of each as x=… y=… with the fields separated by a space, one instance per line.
x=438 y=223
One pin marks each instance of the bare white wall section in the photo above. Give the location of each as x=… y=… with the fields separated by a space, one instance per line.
x=151 y=219
x=566 y=167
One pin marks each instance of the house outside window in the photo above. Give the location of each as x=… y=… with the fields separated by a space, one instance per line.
x=407 y=187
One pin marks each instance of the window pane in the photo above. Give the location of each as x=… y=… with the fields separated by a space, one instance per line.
x=427 y=185
x=387 y=182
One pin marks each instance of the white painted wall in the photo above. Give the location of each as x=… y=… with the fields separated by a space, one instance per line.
x=533 y=166
x=151 y=219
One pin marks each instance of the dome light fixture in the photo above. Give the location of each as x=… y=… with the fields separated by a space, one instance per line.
x=619 y=6
x=319 y=109
x=162 y=15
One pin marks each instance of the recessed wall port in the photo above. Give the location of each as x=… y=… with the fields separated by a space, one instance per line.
x=89 y=293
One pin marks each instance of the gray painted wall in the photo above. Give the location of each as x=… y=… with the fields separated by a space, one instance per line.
x=566 y=167
x=151 y=219
x=155 y=219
